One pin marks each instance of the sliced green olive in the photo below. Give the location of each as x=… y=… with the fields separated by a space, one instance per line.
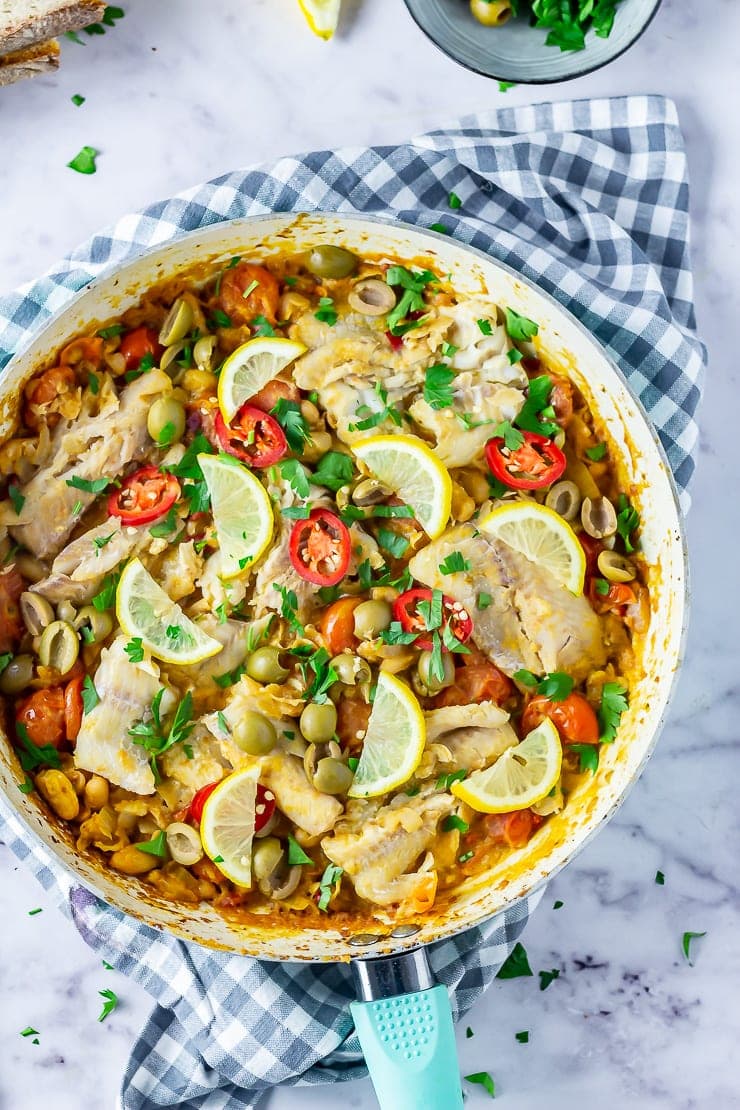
x=370 y=491
x=332 y=776
x=177 y=324
x=99 y=622
x=372 y=297
x=166 y=418
x=351 y=670
x=266 y=857
x=615 y=567
x=564 y=499
x=36 y=611
x=59 y=646
x=598 y=517
x=319 y=722
x=432 y=683
x=184 y=843
x=17 y=675
x=372 y=618
x=254 y=733
x=264 y=665
x=203 y=351
x=328 y=261
x=66 y=611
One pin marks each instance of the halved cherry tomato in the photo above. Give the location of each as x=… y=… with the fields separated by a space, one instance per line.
x=139 y=342
x=353 y=715
x=406 y=611
x=573 y=717
x=512 y=829
x=42 y=715
x=615 y=600
x=264 y=807
x=337 y=625
x=320 y=548
x=275 y=390
x=474 y=683
x=592 y=549
x=52 y=385
x=195 y=811
x=262 y=300
x=145 y=495
x=73 y=707
x=253 y=436
x=537 y=463
x=11 y=621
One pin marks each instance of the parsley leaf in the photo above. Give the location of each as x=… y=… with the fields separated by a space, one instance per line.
x=165 y=527
x=523 y=1037
x=290 y=418
x=84 y=161
x=111 y=331
x=597 y=452
x=33 y=755
x=445 y=781
x=614 y=703
x=229 y=678
x=483 y=601
x=394 y=634
x=589 y=754
x=90 y=696
x=4 y=660
x=686 y=944
x=454 y=201
x=297 y=512
x=371 y=418
x=392 y=542
x=455 y=823
x=628 y=519
x=484 y=326
x=288 y=608
x=326 y=311
x=135 y=650
x=151 y=735
x=295 y=475
x=516 y=965
x=97 y=485
x=262 y=326
x=454 y=563
x=438 y=392
x=519 y=327
x=157 y=846
x=484 y=1080
x=512 y=437
x=547 y=977
x=106 y=597
x=601 y=586
x=334 y=471
x=219 y=319
x=556 y=686
x=660 y=878
x=16 y=497
x=411 y=300
x=538 y=398
x=329 y=881
x=323 y=675
x=109 y=1004
x=296 y=856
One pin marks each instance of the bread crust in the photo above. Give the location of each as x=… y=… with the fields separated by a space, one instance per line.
x=42 y=57
x=19 y=28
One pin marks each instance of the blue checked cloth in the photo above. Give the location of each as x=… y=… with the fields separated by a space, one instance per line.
x=589 y=199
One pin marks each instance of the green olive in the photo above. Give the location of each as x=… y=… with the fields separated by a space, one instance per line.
x=266 y=857
x=254 y=733
x=371 y=618
x=177 y=324
x=98 y=621
x=332 y=776
x=351 y=670
x=17 y=675
x=166 y=420
x=59 y=646
x=319 y=722
x=491 y=13
x=36 y=611
x=328 y=261
x=264 y=665
x=432 y=683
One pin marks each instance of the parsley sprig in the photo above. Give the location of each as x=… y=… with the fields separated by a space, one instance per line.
x=413 y=284
x=155 y=738
x=556 y=686
x=290 y=418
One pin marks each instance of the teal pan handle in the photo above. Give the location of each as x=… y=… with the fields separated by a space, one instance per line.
x=409 y=1044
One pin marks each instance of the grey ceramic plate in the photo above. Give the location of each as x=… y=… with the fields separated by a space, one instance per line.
x=516 y=52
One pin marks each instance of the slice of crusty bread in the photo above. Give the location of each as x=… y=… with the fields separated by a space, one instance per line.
x=26 y=22
x=43 y=57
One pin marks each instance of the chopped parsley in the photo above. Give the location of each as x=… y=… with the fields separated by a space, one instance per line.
x=288 y=608
x=597 y=452
x=90 y=696
x=32 y=913
x=334 y=471
x=519 y=327
x=589 y=756
x=445 y=781
x=262 y=326
x=93 y=383
x=371 y=418
x=535 y=406
x=329 y=881
x=454 y=823
x=556 y=686
x=97 y=485
x=454 y=563
x=77 y=100
x=154 y=738
x=601 y=586
x=523 y=1037
x=106 y=597
x=660 y=878
x=469 y=1033
x=326 y=311
x=512 y=437
x=484 y=326
x=413 y=284
x=290 y=418
x=33 y=755
x=295 y=475
x=504 y=86
x=465 y=857
x=483 y=601
x=157 y=846
x=395 y=634
x=628 y=519
x=29 y=1031
x=392 y=542
x=165 y=527
x=4 y=660
x=219 y=319
x=441 y=228
x=547 y=977
x=558 y=905
x=100 y=541
x=229 y=678
x=454 y=201
x=297 y=512
x=296 y=856
x=686 y=940
x=514 y=356
x=111 y=331
x=135 y=650
x=318 y=674
x=483 y=1079
x=16 y=498
x=84 y=161
x=613 y=704
x=110 y=999
x=438 y=392
x=516 y=964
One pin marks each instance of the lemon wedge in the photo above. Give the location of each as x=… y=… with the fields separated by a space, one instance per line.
x=543 y=536
x=521 y=777
x=227 y=825
x=241 y=511
x=144 y=610
x=411 y=469
x=251 y=367
x=394 y=740
x=322 y=16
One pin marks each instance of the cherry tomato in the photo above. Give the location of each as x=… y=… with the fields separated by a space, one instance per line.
x=145 y=495
x=274 y=391
x=616 y=599
x=592 y=549
x=474 y=684
x=320 y=548
x=87 y=349
x=42 y=714
x=537 y=463
x=405 y=610
x=353 y=715
x=264 y=807
x=195 y=812
x=512 y=829
x=52 y=384
x=262 y=300
x=253 y=436
x=337 y=625
x=573 y=717
x=11 y=621
x=139 y=342
x=73 y=707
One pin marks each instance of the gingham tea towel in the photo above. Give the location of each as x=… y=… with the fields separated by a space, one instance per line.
x=589 y=199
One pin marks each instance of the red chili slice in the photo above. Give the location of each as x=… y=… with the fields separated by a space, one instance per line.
x=253 y=436
x=264 y=807
x=145 y=495
x=537 y=463
x=195 y=812
x=405 y=610
x=320 y=548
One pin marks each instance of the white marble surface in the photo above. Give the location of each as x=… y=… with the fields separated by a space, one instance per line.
x=182 y=91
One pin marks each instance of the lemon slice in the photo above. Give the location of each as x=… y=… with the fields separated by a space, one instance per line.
x=241 y=511
x=322 y=16
x=250 y=368
x=521 y=777
x=144 y=609
x=394 y=740
x=411 y=469
x=227 y=825
x=543 y=536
